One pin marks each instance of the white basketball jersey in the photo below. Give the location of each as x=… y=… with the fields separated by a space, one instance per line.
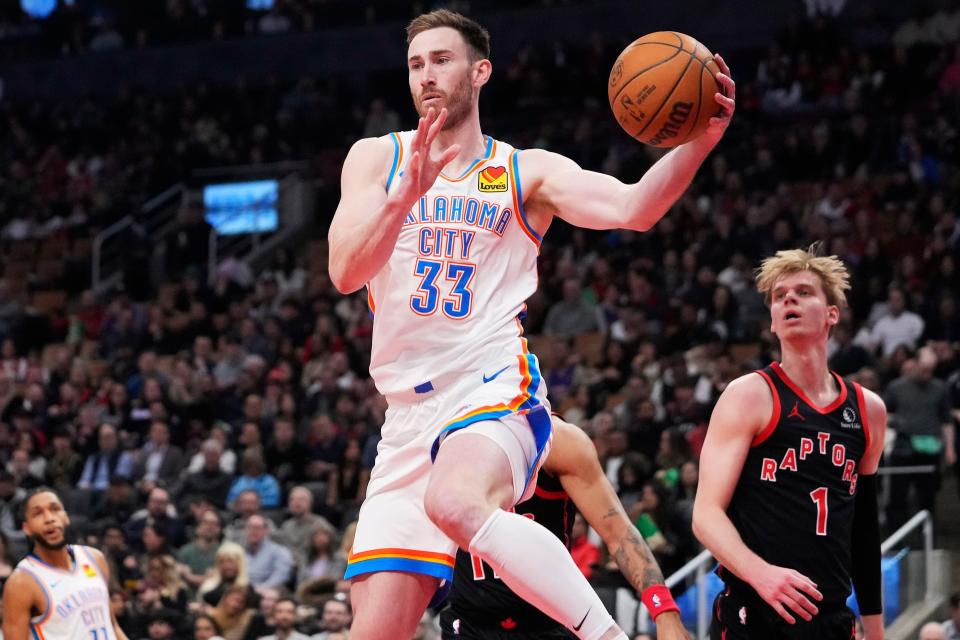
x=78 y=602
x=450 y=297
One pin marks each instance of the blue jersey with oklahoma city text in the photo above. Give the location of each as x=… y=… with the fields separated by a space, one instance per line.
x=450 y=297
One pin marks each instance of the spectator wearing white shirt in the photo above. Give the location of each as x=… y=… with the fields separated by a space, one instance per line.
x=899 y=325
x=228 y=457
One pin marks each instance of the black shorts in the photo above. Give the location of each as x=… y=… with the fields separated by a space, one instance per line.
x=455 y=627
x=736 y=617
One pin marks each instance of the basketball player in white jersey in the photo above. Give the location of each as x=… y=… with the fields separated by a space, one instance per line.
x=59 y=591
x=443 y=225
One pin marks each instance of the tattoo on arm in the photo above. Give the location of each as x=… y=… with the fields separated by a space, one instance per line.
x=636 y=562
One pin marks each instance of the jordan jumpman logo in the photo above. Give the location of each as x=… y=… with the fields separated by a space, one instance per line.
x=795 y=412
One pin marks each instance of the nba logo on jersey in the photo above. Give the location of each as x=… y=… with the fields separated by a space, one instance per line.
x=493 y=179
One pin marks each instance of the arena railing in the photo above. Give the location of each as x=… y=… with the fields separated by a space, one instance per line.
x=700 y=565
x=158 y=215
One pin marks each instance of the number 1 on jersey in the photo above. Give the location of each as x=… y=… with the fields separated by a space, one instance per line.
x=819 y=497
x=99 y=634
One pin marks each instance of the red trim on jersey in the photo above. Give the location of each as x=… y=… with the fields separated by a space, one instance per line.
x=797 y=390
x=774 y=419
x=550 y=495
x=862 y=403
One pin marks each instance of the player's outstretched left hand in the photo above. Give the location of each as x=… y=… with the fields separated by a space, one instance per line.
x=726 y=98
x=425 y=163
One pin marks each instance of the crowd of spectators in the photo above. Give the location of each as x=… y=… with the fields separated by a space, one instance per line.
x=71 y=27
x=215 y=436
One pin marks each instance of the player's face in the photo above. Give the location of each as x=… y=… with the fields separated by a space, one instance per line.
x=46 y=521
x=799 y=307
x=441 y=74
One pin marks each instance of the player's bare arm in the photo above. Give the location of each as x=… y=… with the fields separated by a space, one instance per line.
x=873 y=628
x=556 y=185
x=573 y=459
x=877 y=419
x=743 y=410
x=367 y=222
x=22 y=599
x=105 y=572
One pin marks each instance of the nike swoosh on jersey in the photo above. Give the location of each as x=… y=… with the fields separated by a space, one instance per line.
x=577 y=628
x=491 y=378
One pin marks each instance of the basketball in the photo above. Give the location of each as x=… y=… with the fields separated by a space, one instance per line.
x=662 y=89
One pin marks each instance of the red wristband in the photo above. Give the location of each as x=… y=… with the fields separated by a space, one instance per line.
x=658 y=600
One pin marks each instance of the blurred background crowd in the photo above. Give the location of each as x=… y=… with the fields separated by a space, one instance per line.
x=214 y=432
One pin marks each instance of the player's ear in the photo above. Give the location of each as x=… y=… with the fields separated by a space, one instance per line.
x=833 y=315
x=480 y=72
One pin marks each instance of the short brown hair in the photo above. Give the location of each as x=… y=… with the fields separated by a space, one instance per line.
x=476 y=37
x=830 y=269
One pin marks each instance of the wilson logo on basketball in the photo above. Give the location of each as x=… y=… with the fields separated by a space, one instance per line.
x=679 y=115
x=492 y=179
x=616 y=73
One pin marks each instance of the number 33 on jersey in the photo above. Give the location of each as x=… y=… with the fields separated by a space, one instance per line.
x=463 y=266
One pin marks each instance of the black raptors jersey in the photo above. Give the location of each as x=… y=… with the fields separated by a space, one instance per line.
x=793 y=505
x=480 y=599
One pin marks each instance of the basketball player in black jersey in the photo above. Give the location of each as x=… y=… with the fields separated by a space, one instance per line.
x=787 y=500
x=482 y=607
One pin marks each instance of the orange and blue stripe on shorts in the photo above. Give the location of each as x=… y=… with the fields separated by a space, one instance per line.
x=438 y=565
x=525 y=403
